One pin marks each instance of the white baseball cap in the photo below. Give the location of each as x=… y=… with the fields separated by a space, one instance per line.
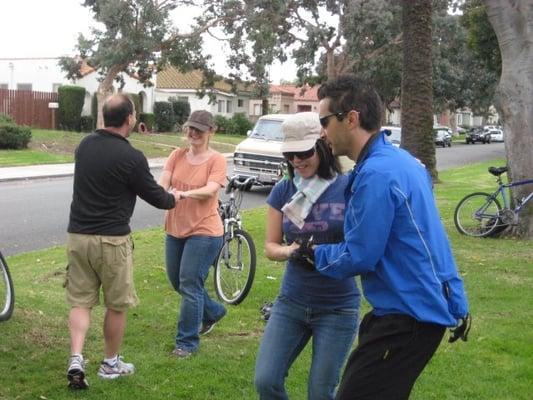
x=300 y=132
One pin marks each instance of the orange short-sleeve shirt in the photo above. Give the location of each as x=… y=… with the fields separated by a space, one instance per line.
x=191 y=216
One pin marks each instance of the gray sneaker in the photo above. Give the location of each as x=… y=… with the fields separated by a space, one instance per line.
x=76 y=373
x=180 y=353
x=120 y=368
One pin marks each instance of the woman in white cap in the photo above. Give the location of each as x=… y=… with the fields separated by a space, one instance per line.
x=310 y=204
x=194 y=229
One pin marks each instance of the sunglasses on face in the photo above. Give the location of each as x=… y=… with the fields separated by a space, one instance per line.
x=302 y=155
x=324 y=121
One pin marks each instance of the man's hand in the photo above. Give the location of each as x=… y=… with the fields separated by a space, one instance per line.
x=304 y=256
x=461 y=331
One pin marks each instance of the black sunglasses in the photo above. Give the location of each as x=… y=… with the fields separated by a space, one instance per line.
x=324 y=121
x=302 y=155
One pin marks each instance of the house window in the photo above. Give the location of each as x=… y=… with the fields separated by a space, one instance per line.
x=229 y=107
x=240 y=103
x=4 y=86
x=55 y=86
x=24 y=86
x=221 y=106
x=257 y=109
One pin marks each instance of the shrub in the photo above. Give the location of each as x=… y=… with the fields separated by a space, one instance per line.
x=86 y=123
x=148 y=119
x=222 y=123
x=239 y=124
x=164 y=116
x=13 y=136
x=71 y=99
x=6 y=118
x=182 y=110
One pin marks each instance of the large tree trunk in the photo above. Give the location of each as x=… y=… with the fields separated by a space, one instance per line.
x=105 y=88
x=513 y=23
x=417 y=83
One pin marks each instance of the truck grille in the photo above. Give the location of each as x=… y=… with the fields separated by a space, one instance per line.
x=258 y=163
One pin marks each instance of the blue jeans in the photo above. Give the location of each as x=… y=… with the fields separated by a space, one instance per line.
x=289 y=329
x=188 y=261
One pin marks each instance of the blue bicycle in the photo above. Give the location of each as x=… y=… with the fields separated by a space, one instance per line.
x=480 y=214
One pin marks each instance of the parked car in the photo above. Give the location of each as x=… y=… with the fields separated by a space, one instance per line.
x=259 y=155
x=393 y=134
x=442 y=136
x=496 y=135
x=476 y=135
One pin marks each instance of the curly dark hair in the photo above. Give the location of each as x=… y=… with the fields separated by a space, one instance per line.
x=346 y=92
x=329 y=164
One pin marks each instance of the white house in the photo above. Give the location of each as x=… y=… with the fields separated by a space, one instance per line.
x=45 y=75
x=170 y=82
x=37 y=74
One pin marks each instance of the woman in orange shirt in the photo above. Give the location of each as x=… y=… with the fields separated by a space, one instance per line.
x=194 y=229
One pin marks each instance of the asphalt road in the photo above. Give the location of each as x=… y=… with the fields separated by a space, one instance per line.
x=34 y=213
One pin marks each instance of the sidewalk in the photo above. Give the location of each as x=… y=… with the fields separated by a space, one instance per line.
x=58 y=170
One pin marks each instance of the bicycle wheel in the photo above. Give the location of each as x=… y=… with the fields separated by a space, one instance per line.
x=478 y=215
x=235 y=268
x=7 y=296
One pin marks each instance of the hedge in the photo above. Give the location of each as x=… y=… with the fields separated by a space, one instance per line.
x=71 y=99
x=164 y=116
x=182 y=110
x=87 y=123
x=13 y=136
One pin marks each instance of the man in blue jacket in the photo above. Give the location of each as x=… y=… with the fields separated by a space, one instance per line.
x=393 y=239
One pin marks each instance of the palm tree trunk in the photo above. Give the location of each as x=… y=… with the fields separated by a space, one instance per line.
x=417 y=83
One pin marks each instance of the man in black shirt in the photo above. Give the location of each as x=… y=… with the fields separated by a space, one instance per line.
x=109 y=174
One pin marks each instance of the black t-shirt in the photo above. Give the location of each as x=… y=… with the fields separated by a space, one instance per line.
x=108 y=175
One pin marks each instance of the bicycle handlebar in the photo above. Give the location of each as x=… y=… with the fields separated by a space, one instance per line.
x=236 y=182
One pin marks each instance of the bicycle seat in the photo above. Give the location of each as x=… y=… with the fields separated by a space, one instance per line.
x=497 y=171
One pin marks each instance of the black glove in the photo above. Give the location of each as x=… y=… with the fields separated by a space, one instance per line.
x=461 y=331
x=304 y=256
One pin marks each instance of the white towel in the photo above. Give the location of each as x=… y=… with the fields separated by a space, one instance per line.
x=308 y=192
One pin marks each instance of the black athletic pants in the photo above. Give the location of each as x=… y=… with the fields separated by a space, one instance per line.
x=392 y=352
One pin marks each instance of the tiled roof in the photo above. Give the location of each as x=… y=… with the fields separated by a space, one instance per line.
x=303 y=93
x=172 y=78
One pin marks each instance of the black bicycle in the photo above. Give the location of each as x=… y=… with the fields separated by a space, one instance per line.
x=481 y=214
x=236 y=261
x=7 y=295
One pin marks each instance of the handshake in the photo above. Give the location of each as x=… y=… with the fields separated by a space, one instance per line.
x=178 y=195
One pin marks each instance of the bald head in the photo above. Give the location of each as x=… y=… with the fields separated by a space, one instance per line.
x=117 y=108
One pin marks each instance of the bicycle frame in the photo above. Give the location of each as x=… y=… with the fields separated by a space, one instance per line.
x=503 y=187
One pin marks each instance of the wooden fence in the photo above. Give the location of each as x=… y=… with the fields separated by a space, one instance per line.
x=29 y=108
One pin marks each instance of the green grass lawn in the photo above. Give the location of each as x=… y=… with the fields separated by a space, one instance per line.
x=496 y=362
x=53 y=147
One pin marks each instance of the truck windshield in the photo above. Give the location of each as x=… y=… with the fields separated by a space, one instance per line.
x=267 y=130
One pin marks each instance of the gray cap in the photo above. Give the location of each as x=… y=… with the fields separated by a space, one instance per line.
x=300 y=132
x=201 y=119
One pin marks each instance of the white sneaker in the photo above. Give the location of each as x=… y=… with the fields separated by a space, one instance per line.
x=120 y=368
x=76 y=373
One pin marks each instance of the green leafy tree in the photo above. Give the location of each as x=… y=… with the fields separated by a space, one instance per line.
x=135 y=37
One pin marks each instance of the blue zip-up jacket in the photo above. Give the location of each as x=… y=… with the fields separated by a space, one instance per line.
x=394 y=239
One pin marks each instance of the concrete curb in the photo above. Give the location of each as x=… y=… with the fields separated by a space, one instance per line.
x=43 y=171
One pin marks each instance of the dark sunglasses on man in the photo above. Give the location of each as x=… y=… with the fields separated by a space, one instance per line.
x=324 y=121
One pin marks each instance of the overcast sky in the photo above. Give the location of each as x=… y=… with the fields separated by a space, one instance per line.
x=49 y=28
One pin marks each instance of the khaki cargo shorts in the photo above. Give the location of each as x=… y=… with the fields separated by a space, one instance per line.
x=94 y=261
